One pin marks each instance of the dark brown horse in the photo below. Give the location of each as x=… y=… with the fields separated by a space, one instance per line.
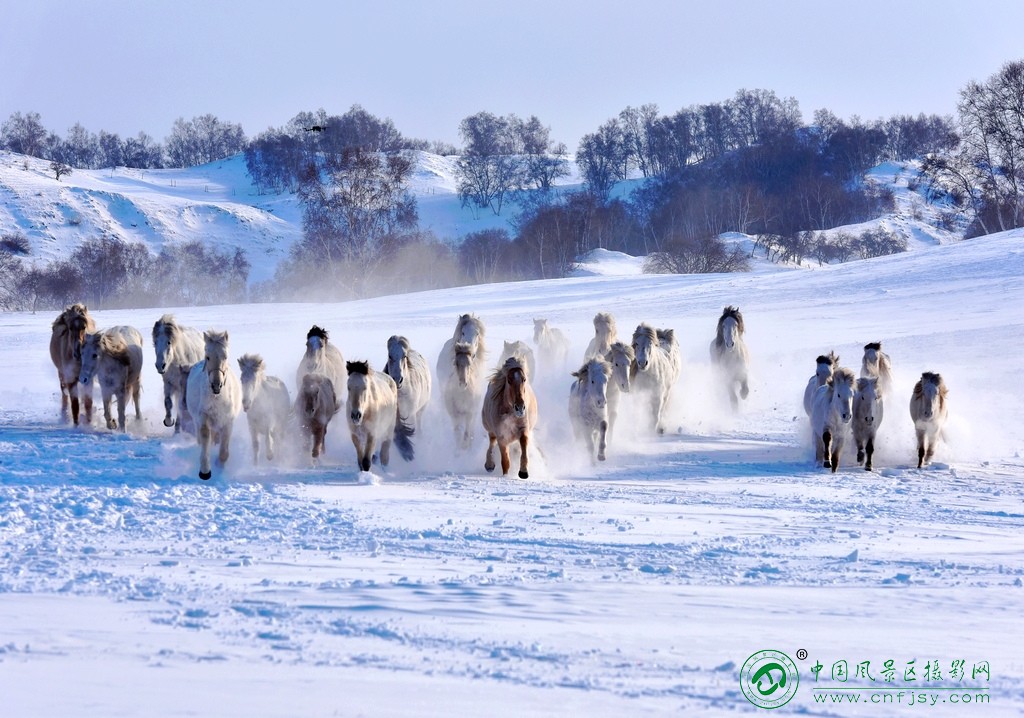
x=69 y=330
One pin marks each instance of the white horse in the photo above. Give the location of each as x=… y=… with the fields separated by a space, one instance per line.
x=68 y=332
x=588 y=405
x=729 y=354
x=605 y=334
x=463 y=393
x=114 y=358
x=315 y=406
x=831 y=417
x=214 y=399
x=876 y=365
x=655 y=368
x=868 y=409
x=468 y=330
x=266 y=404
x=175 y=346
x=552 y=344
x=620 y=357
x=929 y=411
x=411 y=373
x=521 y=351
x=373 y=415
x=826 y=364
x=322 y=357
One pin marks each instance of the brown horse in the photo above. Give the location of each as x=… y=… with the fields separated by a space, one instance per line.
x=69 y=330
x=509 y=414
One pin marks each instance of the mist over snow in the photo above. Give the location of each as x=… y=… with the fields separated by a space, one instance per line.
x=634 y=587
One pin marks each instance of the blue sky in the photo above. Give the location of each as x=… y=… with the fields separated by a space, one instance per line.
x=130 y=66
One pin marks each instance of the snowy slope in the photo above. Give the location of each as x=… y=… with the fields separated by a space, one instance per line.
x=217 y=203
x=636 y=587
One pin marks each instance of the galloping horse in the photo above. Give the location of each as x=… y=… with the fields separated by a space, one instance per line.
x=69 y=330
x=509 y=414
x=729 y=354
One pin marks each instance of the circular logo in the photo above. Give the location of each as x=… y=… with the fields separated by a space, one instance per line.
x=769 y=679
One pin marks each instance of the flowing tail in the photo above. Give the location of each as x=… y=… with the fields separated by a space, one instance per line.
x=403 y=439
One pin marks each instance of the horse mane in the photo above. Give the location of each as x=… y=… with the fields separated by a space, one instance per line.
x=604 y=319
x=929 y=377
x=499 y=380
x=358 y=367
x=400 y=341
x=734 y=312
x=583 y=374
x=621 y=348
x=115 y=347
x=250 y=362
x=864 y=382
x=831 y=359
x=214 y=337
x=877 y=346
x=71 y=312
x=844 y=376
x=645 y=330
x=165 y=325
x=665 y=335
x=316 y=331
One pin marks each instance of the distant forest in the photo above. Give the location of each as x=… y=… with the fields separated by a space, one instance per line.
x=747 y=164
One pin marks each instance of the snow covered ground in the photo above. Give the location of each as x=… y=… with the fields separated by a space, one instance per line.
x=631 y=588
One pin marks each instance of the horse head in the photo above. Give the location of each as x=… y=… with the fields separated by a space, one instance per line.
x=645 y=339
x=316 y=339
x=593 y=378
x=164 y=333
x=89 y=354
x=540 y=328
x=515 y=383
x=251 y=371
x=621 y=357
x=930 y=394
x=730 y=327
x=464 y=356
x=216 y=365
x=843 y=382
x=868 y=401
x=398 y=359
x=358 y=396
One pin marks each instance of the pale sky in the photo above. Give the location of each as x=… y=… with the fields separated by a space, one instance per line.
x=125 y=66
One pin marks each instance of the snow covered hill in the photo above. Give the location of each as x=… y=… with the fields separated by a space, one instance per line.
x=217 y=203
x=635 y=587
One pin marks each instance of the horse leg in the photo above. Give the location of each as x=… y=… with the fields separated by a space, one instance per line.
x=870 y=452
x=225 y=444
x=860 y=452
x=136 y=392
x=271 y=439
x=930 y=447
x=603 y=441
x=122 y=408
x=506 y=461
x=367 y=461
x=734 y=400
x=657 y=405
x=385 y=452
x=254 y=436
x=65 y=398
x=920 y=448
x=169 y=403
x=204 y=451
x=524 y=469
x=744 y=389
x=826 y=446
x=489 y=460
x=70 y=398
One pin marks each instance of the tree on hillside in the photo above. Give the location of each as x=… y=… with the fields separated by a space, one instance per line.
x=60 y=168
x=201 y=140
x=24 y=134
x=602 y=158
x=987 y=168
x=142 y=152
x=110 y=150
x=489 y=168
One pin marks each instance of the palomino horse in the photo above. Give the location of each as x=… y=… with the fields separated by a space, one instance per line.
x=69 y=329
x=468 y=330
x=620 y=357
x=552 y=344
x=266 y=404
x=373 y=415
x=214 y=399
x=521 y=351
x=411 y=373
x=315 y=406
x=867 y=417
x=826 y=364
x=876 y=365
x=655 y=368
x=509 y=414
x=114 y=358
x=605 y=334
x=463 y=392
x=831 y=417
x=175 y=346
x=928 y=409
x=322 y=357
x=729 y=354
x=588 y=405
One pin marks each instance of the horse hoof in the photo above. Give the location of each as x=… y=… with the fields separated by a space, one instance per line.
x=489 y=468
x=205 y=475
x=365 y=465
x=827 y=464
x=524 y=474
x=168 y=422
x=867 y=467
x=600 y=457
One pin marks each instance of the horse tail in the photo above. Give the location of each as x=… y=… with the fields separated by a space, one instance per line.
x=403 y=438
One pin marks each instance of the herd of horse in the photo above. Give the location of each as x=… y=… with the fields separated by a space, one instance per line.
x=203 y=395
